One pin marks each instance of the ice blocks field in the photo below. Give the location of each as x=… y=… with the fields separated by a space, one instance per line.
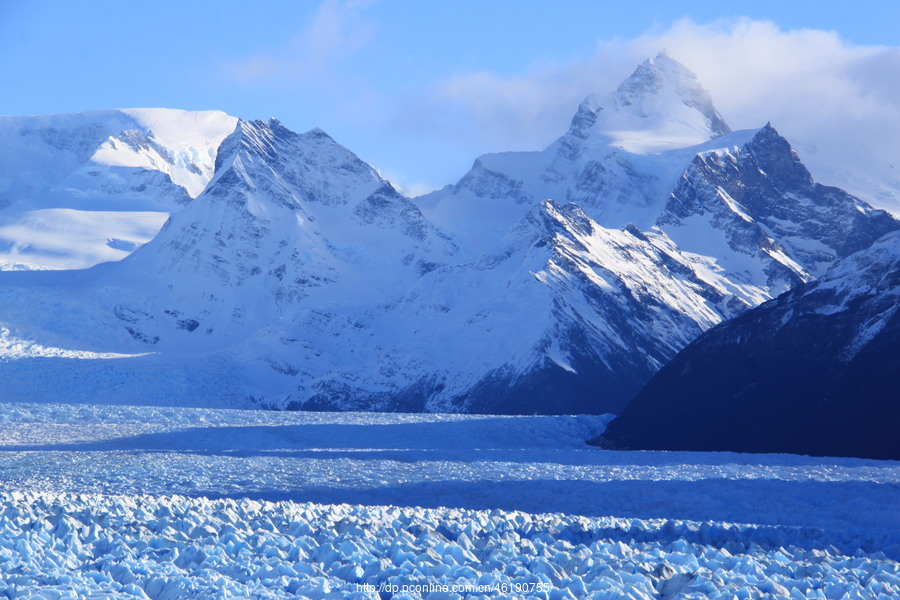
x=158 y=502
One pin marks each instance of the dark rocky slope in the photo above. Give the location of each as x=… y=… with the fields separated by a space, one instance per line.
x=815 y=371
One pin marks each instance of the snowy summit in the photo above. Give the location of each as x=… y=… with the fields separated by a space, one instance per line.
x=661 y=106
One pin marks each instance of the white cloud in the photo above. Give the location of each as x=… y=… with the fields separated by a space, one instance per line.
x=337 y=31
x=836 y=102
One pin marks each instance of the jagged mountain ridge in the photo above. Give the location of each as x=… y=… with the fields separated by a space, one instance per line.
x=564 y=308
x=290 y=219
x=763 y=205
x=743 y=200
x=260 y=260
x=258 y=271
x=312 y=283
x=815 y=371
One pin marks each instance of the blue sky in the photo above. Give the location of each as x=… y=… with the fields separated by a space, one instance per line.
x=419 y=89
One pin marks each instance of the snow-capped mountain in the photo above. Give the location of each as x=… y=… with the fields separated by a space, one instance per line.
x=78 y=189
x=815 y=371
x=293 y=229
x=552 y=282
x=661 y=106
x=618 y=161
x=289 y=220
x=272 y=270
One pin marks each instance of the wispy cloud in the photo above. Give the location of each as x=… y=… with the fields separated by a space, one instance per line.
x=337 y=31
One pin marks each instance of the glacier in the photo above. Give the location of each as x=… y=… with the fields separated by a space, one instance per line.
x=172 y=502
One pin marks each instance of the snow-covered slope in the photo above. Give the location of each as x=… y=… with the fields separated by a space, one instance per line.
x=816 y=371
x=290 y=222
x=740 y=210
x=293 y=241
x=272 y=269
x=78 y=189
x=566 y=310
x=742 y=202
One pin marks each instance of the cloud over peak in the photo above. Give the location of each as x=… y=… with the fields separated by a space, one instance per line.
x=835 y=101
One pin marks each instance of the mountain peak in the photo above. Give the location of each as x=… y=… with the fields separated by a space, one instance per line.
x=274 y=165
x=655 y=73
x=660 y=106
x=549 y=218
x=318 y=132
x=777 y=158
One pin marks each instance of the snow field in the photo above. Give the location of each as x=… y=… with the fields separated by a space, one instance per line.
x=93 y=546
x=63 y=238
